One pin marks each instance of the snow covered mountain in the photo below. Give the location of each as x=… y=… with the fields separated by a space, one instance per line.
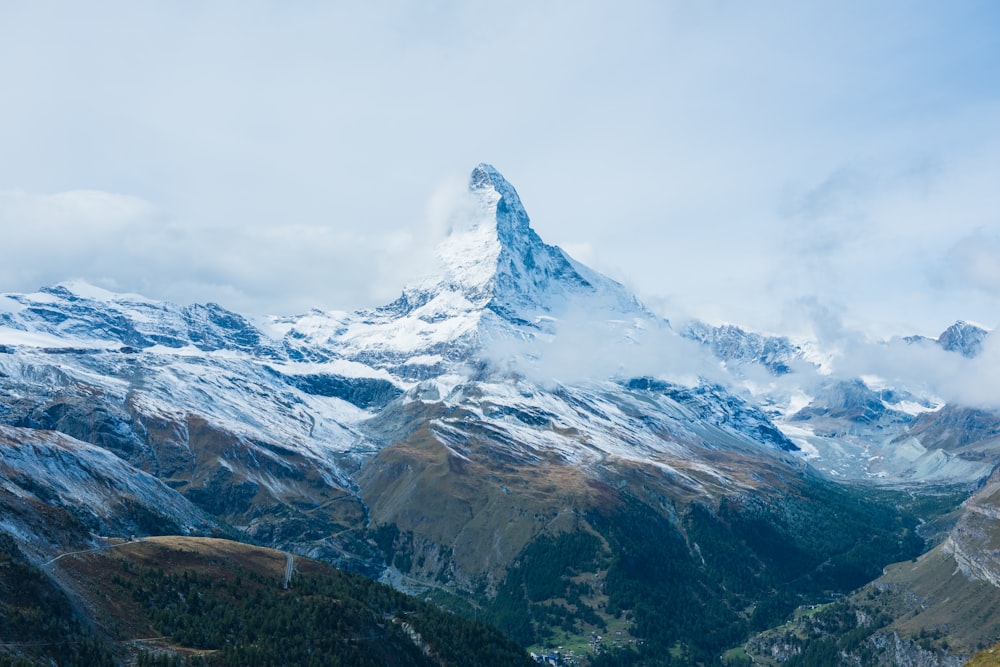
x=279 y=412
x=237 y=415
x=513 y=396
x=198 y=394
x=197 y=397
x=964 y=338
x=498 y=287
x=862 y=427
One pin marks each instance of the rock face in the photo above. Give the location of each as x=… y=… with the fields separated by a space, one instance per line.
x=893 y=651
x=732 y=344
x=973 y=541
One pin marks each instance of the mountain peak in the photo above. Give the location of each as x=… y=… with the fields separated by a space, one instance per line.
x=502 y=205
x=486 y=176
x=963 y=337
x=495 y=258
x=497 y=282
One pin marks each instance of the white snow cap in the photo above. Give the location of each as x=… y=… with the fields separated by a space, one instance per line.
x=495 y=258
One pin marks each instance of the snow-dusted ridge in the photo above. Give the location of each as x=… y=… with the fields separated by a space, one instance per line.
x=89 y=491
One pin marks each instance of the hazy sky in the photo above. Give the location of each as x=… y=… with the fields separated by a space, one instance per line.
x=762 y=163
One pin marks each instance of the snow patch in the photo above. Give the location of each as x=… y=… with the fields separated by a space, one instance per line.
x=9 y=305
x=913 y=408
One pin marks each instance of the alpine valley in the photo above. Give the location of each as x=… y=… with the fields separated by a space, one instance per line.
x=517 y=440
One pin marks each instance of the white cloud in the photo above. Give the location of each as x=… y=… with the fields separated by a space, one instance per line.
x=920 y=366
x=50 y=238
x=974 y=261
x=587 y=344
x=68 y=216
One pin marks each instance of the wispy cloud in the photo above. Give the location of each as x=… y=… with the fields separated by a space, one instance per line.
x=588 y=344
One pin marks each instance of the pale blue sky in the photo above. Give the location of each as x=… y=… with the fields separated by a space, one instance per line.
x=729 y=160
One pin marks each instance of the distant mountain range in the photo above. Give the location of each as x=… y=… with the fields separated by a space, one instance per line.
x=516 y=438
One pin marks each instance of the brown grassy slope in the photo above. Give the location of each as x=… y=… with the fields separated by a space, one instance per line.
x=470 y=516
x=988 y=658
x=933 y=593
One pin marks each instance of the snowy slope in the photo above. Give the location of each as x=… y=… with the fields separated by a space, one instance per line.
x=199 y=397
x=82 y=488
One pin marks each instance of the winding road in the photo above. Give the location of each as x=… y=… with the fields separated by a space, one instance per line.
x=87 y=551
